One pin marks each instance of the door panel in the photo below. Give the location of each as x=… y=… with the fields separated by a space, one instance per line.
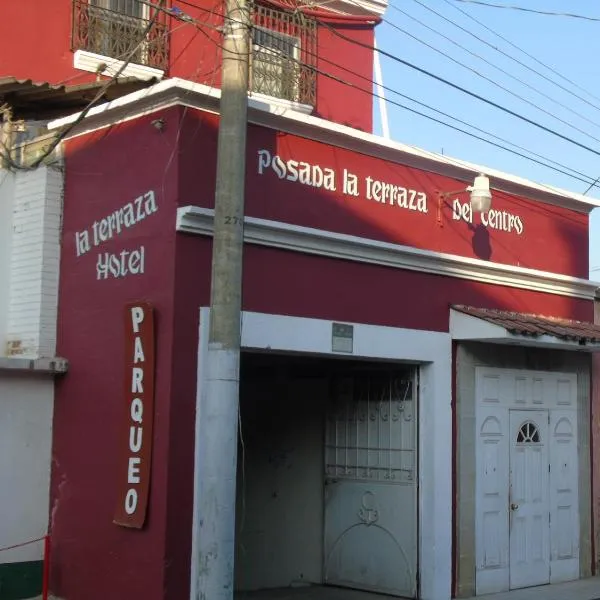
x=564 y=496
x=370 y=536
x=491 y=526
x=371 y=479
x=529 y=499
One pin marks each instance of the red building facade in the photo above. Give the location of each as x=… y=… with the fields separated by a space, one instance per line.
x=341 y=228
x=186 y=44
x=408 y=364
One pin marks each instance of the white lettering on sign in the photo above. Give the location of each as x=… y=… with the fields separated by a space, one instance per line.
x=136 y=412
x=498 y=220
x=127 y=262
x=134 y=471
x=388 y=193
x=131 y=500
x=292 y=170
x=314 y=175
x=123 y=218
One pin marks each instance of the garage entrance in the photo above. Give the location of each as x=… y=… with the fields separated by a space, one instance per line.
x=327 y=474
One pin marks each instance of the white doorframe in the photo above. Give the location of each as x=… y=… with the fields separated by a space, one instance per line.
x=433 y=352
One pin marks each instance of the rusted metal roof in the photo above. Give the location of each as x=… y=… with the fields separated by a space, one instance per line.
x=42 y=100
x=534 y=326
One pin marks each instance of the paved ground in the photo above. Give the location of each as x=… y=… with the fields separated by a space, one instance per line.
x=316 y=592
x=586 y=589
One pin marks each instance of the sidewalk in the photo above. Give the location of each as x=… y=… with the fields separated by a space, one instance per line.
x=584 y=589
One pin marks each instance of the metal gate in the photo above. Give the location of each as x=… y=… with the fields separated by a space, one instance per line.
x=371 y=482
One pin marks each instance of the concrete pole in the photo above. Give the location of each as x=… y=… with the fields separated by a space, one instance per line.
x=217 y=429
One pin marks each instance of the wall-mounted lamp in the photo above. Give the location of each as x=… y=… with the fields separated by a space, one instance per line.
x=480 y=195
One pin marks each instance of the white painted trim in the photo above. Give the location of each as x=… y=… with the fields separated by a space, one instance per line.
x=175 y=91
x=472 y=328
x=199 y=221
x=371 y=7
x=433 y=351
x=37 y=365
x=89 y=61
x=380 y=90
x=286 y=105
x=204 y=328
x=353 y=7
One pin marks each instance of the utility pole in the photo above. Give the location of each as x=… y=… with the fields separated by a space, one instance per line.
x=217 y=429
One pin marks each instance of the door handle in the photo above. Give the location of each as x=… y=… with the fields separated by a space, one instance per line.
x=514 y=506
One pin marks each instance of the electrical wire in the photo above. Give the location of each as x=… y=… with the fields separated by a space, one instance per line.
x=495 y=83
x=512 y=58
x=500 y=69
x=448 y=83
x=61 y=136
x=530 y=10
x=544 y=161
x=582 y=177
x=558 y=168
x=461 y=89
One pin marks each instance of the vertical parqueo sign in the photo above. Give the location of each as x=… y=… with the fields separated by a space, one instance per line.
x=136 y=442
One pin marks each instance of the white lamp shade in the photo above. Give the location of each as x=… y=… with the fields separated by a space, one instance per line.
x=481 y=197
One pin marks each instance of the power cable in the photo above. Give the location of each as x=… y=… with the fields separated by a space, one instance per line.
x=460 y=89
x=584 y=178
x=516 y=60
x=451 y=84
x=470 y=134
x=500 y=69
x=58 y=139
x=561 y=168
x=530 y=10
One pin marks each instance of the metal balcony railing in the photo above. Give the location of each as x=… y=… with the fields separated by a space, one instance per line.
x=115 y=34
x=284 y=55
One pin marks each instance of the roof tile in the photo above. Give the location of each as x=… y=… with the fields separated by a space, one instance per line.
x=535 y=325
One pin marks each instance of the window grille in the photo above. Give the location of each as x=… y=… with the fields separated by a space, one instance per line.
x=114 y=28
x=284 y=54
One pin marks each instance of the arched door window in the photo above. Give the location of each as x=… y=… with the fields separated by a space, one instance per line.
x=528 y=433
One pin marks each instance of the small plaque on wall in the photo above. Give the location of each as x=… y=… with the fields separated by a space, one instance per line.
x=342 y=338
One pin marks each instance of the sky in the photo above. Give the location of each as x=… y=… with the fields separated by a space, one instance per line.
x=568 y=46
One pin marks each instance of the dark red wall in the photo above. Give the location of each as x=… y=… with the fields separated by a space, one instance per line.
x=92 y=557
x=195 y=53
x=553 y=239
x=349 y=103
x=35 y=38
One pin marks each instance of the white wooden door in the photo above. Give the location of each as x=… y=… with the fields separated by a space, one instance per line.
x=529 y=499
x=534 y=471
x=371 y=478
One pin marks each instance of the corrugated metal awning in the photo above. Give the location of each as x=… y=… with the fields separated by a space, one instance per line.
x=506 y=327
x=42 y=100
